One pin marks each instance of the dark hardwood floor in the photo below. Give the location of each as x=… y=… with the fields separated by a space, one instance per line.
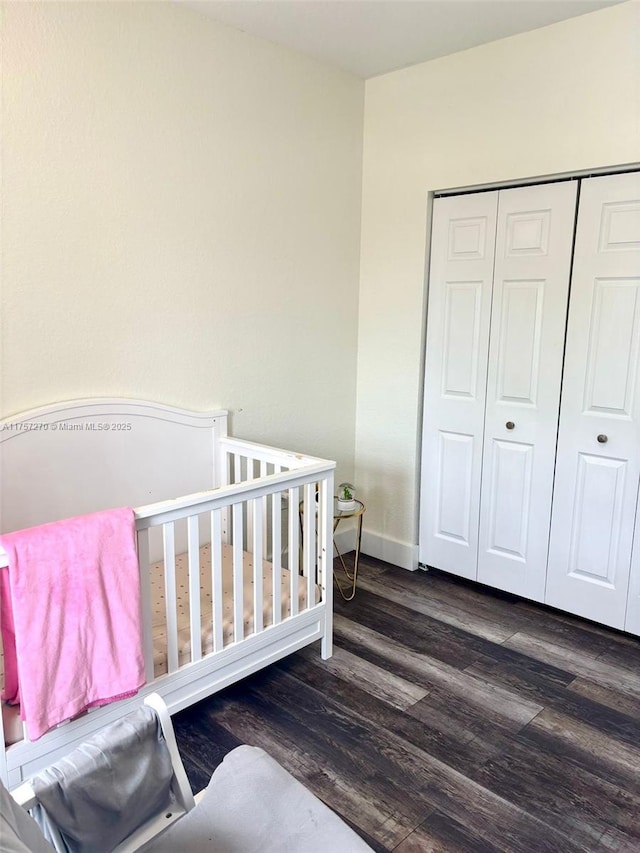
x=451 y=718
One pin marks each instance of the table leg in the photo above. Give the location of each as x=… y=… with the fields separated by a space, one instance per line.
x=353 y=578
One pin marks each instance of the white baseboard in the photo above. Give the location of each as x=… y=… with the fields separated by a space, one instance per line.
x=382 y=548
x=390 y=550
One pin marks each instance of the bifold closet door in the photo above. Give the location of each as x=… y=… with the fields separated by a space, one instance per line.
x=598 y=464
x=460 y=282
x=528 y=319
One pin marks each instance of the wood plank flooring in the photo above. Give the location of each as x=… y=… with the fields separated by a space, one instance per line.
x=451 y=718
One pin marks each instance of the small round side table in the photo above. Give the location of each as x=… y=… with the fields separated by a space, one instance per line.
x=339 y=515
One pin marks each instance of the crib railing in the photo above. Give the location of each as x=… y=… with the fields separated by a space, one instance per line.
x=277 y=508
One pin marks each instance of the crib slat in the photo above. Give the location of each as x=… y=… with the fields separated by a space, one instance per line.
x=237 y=468
x=309 y=541
x=319 y=540
x=276 y=557
x=258 y=593
x=238 y=554
x=194 y=587
x=226 y=472
x=265 y=513
x=168 y=541
x=325 y=560
x=249 y=509
x=216 y=577
x=294 y=545
x=145 y=602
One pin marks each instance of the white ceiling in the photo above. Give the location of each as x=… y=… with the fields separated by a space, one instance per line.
x=370 y=37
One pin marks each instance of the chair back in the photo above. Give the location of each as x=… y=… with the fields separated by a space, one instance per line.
x=117 y=790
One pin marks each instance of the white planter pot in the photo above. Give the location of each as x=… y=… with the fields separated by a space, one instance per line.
x=346 y=506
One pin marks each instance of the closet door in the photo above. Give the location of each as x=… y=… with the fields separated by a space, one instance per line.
x=528 y=319
x=460 y=279
x=598 y=464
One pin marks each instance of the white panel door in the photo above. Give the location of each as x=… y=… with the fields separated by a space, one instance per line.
x=598 y=464
x=461 y=273
x=530 y=291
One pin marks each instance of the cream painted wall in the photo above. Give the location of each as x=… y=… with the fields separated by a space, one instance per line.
x=180 y=220
x=558 y=99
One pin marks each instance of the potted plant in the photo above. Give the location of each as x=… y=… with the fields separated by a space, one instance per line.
x=346 y=497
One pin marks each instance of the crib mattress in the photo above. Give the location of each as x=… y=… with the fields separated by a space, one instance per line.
x=182 y=592
x=10 y=715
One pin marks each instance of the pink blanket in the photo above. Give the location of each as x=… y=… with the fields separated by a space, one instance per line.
x=70 y=613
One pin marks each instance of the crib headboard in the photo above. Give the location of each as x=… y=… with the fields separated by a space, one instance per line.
x=87 y=455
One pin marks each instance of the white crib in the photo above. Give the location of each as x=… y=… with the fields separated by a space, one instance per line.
x=254 y=521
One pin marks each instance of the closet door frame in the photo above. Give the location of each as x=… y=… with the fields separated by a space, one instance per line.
x=427 y=528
